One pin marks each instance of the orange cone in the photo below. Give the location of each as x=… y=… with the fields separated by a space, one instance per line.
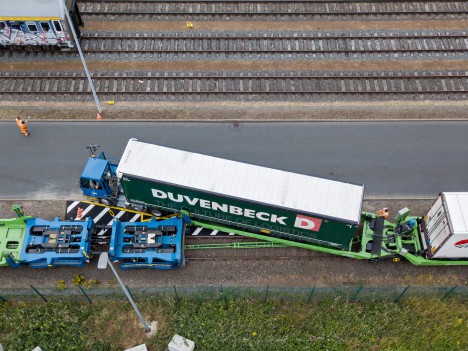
x=99 y=117
x=79 y=213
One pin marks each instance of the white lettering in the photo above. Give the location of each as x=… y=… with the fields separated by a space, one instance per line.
x=239 y=211
x=235 y=210
x=159 y=194
x=304 y=223
x=249 y=213
x=205 y=204
x=215 y=206
x=263 y=216
x=179 y=197
x=280 y=220
x=191 y=201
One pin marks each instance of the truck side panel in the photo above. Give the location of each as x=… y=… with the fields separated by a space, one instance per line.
x=240 y=213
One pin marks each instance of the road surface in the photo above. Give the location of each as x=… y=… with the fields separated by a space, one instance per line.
x=392 y=159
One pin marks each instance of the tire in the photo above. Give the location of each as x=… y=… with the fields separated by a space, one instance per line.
x=107 y=202
x=154 y=211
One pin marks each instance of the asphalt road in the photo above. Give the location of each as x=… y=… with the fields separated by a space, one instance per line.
x=392 y=159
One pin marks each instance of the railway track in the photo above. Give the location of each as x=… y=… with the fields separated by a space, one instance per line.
x=299 y=43
x=270 y=9
x=236 y=85
x=242 y=45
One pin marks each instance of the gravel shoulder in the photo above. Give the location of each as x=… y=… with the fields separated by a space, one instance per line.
x=238 y=111
x=301 y=272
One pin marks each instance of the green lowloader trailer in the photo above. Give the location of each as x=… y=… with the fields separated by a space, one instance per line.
x=284 y=208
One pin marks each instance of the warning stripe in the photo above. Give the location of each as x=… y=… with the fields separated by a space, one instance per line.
x=89 y=208
x=72 y=206
x=135 y=217
x=197 y=231
x=101 y=216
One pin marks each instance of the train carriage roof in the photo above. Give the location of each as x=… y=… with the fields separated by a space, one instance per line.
x=31 y=9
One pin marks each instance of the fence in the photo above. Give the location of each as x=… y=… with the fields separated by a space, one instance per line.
x=265 y=293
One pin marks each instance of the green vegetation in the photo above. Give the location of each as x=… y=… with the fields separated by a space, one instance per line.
x=416 y=323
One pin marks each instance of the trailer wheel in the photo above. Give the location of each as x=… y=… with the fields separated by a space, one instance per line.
x=155 y=212
x=106 y=202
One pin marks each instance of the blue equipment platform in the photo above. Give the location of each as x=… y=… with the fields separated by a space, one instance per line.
x=154 y=244
x=56 y=243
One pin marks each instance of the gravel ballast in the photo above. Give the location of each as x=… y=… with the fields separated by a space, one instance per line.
x=297 y=271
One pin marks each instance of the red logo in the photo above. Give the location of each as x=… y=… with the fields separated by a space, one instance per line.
x=309 y=223
x=462 y=244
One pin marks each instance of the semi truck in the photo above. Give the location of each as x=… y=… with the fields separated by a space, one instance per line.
x=275 y=205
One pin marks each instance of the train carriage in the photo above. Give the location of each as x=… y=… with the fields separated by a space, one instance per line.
x=29 y=23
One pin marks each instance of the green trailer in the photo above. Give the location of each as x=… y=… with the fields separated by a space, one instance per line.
x=242 y=196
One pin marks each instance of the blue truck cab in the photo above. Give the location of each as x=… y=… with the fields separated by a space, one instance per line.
x=99 y=179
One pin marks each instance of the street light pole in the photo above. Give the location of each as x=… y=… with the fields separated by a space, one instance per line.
x=102 y=264
x=77 y=43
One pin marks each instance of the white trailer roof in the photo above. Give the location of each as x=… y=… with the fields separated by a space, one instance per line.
x=245 y=181
x=457 y=208
x=31 y=8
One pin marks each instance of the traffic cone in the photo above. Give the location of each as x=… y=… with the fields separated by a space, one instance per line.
x=384 y=213
x=99 y=117
x=79 y=213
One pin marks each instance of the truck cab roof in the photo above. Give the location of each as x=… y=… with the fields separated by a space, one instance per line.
x=94 y=169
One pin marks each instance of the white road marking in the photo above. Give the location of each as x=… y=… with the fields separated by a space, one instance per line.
x=197 y=231
x=72 y=206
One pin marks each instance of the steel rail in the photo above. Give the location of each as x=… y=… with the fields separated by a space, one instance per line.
x=273 y=52
x=265 y=1
x=296 y=77
x=276 y=37
x=162 y=8
x=291 y=13
x=238 y=92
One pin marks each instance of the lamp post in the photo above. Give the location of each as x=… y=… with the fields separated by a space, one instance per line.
x=77 y=43
x=102 y=264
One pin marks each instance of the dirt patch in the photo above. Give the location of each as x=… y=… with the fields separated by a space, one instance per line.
x=275 y=25
x=247 y=65
x=237 y=111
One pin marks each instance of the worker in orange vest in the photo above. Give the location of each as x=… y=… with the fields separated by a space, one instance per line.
x=22 y=125
x=24 y=128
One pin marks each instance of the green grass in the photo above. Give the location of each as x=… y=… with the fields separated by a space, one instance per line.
x=418 y=323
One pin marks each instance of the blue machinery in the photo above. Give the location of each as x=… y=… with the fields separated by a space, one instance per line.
x=154 y=244
x=40 y=243
x=52 y=243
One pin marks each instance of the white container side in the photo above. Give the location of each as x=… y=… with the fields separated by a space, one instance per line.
x=457 y=208
x=254 y=183
x=32 y=8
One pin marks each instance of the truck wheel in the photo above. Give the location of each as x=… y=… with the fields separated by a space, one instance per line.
x=106 y=202
x=155 y=212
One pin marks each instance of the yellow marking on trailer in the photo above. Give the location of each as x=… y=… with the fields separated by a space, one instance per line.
x=142 y=214
x=29 y=18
